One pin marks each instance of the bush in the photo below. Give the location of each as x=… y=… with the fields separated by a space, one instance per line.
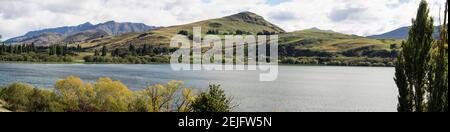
x=213 y=100
x=17 y=96
x=43 y=101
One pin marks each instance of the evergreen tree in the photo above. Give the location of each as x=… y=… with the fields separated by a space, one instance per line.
x=145 y=50
x=2 y=46
x=33 y=47
x=104 y=51
x=132 y=49
x=116 y=52
x=96 y=52
x=213 y=100
x=413 y=64
x=10 y=49
x=112 y=53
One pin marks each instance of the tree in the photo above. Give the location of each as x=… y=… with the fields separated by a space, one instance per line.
x=2 y=49
x=96 y=52
x=111 y=96
x=116 y=52
x=104 y=51
x=76 y=96
x=2 y=46
x=413 y=63
x=79 y=48
x=213 y=100
x=163 y=98
x=132 y=49
x=438 y=91
x=183 y=32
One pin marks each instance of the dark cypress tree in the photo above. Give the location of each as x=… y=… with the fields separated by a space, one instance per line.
x=104 y=51
x=79 y=48
x=145 y=50
x=33 y=48
x=96 y=53
x=413 y=64
x=132 y=49
x=65 y=50
x=2 y=47
x=10 y=49
x=116 y=52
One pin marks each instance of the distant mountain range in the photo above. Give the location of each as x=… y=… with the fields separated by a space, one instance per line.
x=401 y=33
x=83 y=32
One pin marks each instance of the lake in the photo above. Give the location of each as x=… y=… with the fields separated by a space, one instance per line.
x=297 y=89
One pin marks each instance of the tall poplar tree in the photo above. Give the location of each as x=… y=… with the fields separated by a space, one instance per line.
x=413 y=63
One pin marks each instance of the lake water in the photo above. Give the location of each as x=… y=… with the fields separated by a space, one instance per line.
x=297 y=89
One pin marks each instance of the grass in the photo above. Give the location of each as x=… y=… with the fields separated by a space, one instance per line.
x=331 y=42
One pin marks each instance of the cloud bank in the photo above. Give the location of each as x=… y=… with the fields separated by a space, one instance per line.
x=360 y=17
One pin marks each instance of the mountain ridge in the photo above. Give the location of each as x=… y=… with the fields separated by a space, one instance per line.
x=110 y=28
x=244 y=22
x=401 y=33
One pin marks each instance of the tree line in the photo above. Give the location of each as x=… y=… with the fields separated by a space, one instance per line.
x=17 y=49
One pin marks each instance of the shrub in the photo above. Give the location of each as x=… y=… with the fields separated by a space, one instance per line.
x=16 y=96
x=213 y=100
x=43 y=101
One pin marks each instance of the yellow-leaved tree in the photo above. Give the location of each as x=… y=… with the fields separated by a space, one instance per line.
x=112 y=95
x=170 y=97
x=75 y=95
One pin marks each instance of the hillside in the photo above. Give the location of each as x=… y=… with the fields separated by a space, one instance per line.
x=319 y=43
x=245 y=22
x=401 y=33
x=83 y=32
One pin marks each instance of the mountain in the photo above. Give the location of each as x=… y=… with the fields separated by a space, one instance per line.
x=245 y=21
x=43 y=39
x=318 y=29
x=401 y=33
x=83 y=32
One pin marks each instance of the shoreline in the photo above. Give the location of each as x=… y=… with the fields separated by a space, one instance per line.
x=2 y=109
x=66 y=63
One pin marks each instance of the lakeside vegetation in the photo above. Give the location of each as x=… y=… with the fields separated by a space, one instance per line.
x=150 y=55
x=106 y=95
x=422 y=67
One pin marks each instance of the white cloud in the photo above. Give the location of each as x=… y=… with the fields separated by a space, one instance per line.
x=361 y=17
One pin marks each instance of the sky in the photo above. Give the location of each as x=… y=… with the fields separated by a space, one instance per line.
x=359 y=17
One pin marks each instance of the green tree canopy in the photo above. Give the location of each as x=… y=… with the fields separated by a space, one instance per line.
x=419 y=74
